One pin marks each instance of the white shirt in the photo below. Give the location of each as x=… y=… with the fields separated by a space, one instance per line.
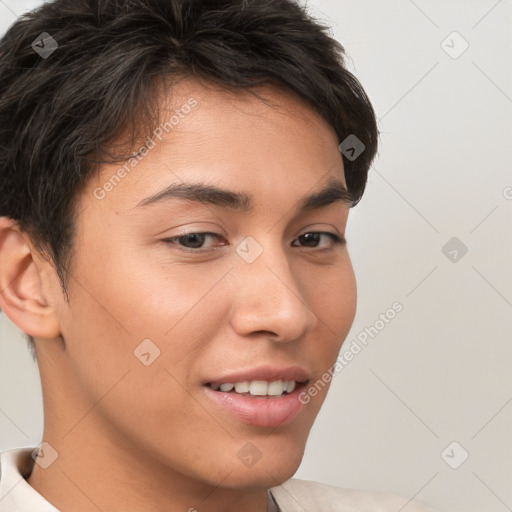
x=16 y=495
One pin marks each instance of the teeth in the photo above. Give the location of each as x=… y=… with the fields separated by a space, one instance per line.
x=276 y=388
x=242 y=387
x=257 y=387
x=290 y=386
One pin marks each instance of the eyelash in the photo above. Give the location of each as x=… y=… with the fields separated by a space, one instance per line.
x=337 y=240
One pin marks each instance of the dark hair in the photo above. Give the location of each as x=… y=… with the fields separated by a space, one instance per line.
x=60 y=113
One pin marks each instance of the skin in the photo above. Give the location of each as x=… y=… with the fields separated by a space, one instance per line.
x=135 y=437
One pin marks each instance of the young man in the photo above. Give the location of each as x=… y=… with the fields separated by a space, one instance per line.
x=175 y=182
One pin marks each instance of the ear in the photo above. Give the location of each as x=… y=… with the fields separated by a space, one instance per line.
x=22 y=275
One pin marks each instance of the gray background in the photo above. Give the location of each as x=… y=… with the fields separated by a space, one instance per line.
x=439 y=372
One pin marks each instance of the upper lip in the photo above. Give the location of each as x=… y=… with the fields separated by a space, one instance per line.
x=267 y=373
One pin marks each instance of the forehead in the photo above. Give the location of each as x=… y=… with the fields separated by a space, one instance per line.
x=232 y=138
x=241 y=115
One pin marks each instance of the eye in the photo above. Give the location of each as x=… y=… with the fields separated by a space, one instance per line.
x=313 y=237
x=194 y=242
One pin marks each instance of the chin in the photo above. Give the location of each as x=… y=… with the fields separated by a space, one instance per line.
x=270 y=470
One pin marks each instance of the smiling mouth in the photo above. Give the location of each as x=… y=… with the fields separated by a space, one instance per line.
x=258 y=388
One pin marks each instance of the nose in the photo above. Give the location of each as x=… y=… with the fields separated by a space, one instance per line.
x=268 y=299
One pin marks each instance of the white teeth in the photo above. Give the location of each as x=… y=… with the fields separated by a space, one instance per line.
x=257 y=387
x=242 y=387
x=276 y=388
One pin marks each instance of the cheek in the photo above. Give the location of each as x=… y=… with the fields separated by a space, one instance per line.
x=124 y=307
x=332 y=295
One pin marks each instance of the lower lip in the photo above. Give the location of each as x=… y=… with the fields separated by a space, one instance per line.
x=260 y=411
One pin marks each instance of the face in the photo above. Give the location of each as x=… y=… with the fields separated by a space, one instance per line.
x=174 y=300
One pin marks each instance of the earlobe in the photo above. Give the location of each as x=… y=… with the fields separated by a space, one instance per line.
x=22 y=296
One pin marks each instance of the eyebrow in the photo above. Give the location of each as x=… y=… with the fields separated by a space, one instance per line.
x=335 y=191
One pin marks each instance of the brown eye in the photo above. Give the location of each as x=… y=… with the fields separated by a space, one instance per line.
x=194 y=242
x=191 y=241
x=311 y=239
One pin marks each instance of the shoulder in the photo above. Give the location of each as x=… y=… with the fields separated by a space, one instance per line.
x=297 y=495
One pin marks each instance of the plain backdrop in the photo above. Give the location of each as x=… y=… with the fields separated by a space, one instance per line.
x=425 y=408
